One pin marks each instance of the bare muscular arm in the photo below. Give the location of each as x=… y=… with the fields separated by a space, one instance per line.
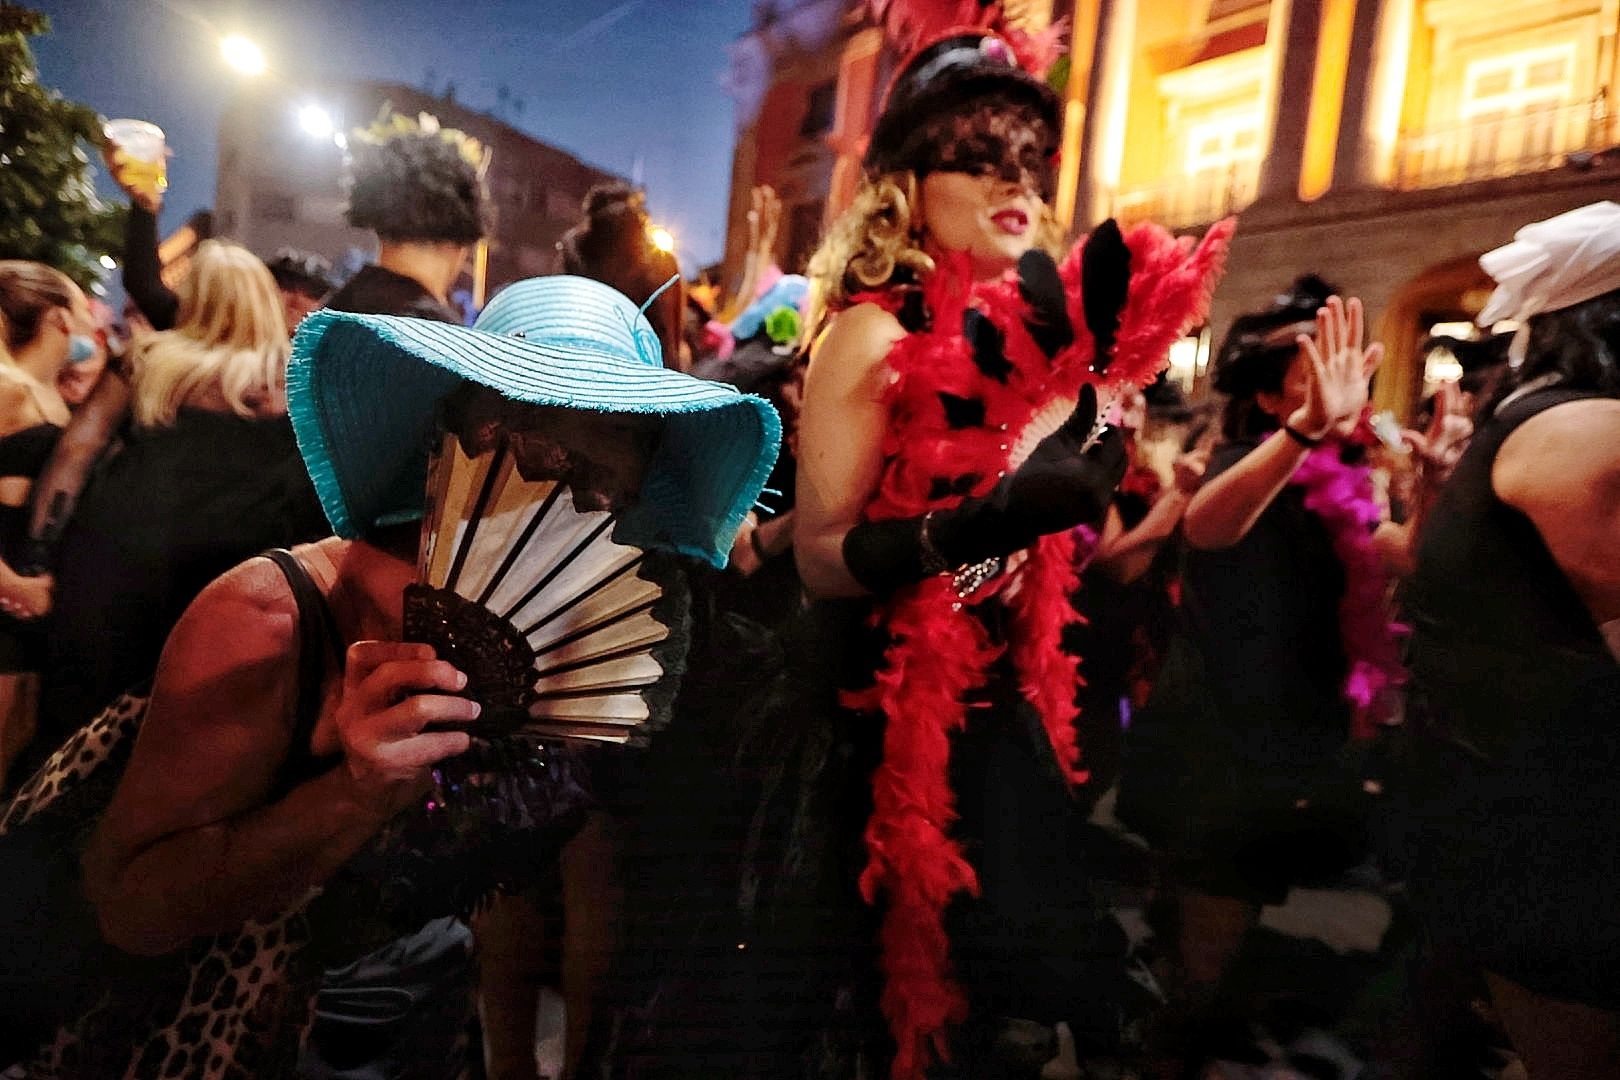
x=189 y=844
x=1561 y=469
x=841 y=443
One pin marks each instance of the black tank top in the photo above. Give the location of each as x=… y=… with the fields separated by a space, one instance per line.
x=1506 y=659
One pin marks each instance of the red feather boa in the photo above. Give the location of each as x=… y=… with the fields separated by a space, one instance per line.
x=939 y=652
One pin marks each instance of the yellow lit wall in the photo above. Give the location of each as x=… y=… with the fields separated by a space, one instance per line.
x=1162 y=33
x=1327 y=97
x=1183 y=83
x=1082 y=55
x=1461 y=33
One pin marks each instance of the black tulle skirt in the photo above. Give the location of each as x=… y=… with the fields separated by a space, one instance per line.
x=748 y=949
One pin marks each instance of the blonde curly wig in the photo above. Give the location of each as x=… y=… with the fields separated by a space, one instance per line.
x=878 y=242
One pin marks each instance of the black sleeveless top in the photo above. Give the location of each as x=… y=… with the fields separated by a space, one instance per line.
x=1503 y=651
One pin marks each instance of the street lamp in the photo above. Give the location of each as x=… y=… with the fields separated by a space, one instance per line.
x=662 y=239
x=242 y=55
x=315 y=121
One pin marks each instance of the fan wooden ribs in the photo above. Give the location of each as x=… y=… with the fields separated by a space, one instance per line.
x=563 y=633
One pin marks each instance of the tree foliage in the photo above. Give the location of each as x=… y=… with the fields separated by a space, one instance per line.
x=49 y=210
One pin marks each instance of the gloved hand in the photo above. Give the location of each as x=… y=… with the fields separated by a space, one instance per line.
x=1057 y=488
x=1060 y=485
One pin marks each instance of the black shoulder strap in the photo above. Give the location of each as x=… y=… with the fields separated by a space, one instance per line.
x=317 y=641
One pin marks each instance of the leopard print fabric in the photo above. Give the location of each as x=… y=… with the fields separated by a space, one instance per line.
x=65 y=780
x=239 y=1009
x=235 y=1005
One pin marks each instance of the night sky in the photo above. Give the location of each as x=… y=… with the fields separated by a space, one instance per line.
x=608 y=81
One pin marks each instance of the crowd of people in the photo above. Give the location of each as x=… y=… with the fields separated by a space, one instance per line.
x=995 y=697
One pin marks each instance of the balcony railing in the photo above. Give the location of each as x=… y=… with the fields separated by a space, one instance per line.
x=1190 y=200
x=1501 y=146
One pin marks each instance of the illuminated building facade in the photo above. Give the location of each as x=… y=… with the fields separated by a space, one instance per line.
x=1384 y=144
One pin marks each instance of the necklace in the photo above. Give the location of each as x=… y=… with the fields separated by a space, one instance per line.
x=1540 y=382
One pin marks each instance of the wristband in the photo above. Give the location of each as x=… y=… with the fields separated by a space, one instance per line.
x=1300 y=437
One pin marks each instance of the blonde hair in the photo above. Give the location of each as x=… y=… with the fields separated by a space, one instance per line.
x=231 y=337
x=878 y=242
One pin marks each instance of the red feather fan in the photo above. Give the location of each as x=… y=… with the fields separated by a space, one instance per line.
x=914 y=24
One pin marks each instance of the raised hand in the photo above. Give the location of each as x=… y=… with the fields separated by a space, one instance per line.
x=134 y=177
x=1441 y=445
x=394 y=691
x=1338 y=367
x=764 y=218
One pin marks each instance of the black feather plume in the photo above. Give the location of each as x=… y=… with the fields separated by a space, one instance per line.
x=1042 y=289
x=1105 y=278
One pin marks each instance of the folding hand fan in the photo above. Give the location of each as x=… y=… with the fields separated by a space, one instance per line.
x=562 y=632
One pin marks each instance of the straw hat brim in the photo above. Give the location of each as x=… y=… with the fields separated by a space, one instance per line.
x=363 y=393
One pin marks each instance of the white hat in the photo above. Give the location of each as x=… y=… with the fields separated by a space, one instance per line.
x=1554 y=264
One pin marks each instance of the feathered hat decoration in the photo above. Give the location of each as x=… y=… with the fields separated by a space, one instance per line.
x=912 y=25
x=958 y=51
x=391 y=125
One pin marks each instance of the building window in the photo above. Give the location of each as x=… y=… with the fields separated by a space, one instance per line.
x=275 y=206
x=818 y=113
x=1529 y=81
x=1212 y=119
x=1505 y=90
x=1221 y=143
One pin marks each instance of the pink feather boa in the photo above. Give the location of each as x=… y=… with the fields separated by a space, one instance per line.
x=1341 y=496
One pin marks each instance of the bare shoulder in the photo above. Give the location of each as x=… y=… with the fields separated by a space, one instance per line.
x=17 y=407
x=1570 y=452
x=241 y=624
x=855 y=343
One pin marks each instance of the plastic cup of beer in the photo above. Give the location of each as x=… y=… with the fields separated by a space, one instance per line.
x=143 y=154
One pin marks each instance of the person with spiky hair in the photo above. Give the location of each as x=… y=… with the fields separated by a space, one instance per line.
x=420 y=188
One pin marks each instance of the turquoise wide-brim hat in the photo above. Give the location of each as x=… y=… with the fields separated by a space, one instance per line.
x=363 y=393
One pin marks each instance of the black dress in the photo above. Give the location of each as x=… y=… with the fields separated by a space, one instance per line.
x=22 y=454
x=1515 y=818
x=376 y=291
x=174 y=509
x=749 y=950
x=1248 y=717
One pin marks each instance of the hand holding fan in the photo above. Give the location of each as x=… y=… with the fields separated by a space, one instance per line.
x=562 y=632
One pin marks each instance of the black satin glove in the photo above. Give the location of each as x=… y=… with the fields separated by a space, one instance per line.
x=1057 y=488
x=1063 y=483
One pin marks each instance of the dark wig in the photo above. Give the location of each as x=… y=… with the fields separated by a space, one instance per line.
x=1259 y=348
x=301 y=272
x=612 y=243
x=416 y=186
x=1580 y=344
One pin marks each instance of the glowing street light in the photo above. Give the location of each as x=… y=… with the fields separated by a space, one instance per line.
x=662 y=239
x=242 y=55
x=316 y=121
